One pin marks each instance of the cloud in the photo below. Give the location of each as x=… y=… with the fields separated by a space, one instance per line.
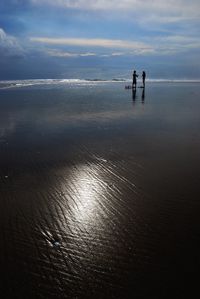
x=92 y=42
x=161 y=45
x=64 y=54
x=117 y=54
x=58 y=53
x=176 y=43
x=174 y=7
x=9 y=46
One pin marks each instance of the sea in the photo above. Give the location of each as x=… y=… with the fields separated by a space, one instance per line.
x=99 y=189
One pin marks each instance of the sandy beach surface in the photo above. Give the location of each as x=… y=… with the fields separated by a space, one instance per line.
x=99 y=190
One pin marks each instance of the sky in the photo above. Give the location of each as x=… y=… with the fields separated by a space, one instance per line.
x=99 y=38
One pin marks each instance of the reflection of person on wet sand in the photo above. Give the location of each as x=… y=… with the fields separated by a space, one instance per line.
x=143 y=96
x=134 y=94
x=134 y=79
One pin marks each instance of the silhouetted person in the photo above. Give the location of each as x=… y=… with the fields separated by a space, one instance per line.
x=143 y=78
x=134 y=79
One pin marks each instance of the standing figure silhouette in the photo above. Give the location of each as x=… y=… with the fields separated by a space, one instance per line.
x=134 y=79
x=143 y=78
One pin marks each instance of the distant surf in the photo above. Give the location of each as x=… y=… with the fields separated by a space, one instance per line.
x=6 y=84
x=32 y=82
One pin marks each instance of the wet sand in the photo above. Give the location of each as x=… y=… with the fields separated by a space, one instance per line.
x=99 y=191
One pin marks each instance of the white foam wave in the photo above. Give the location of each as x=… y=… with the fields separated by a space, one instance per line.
x=33 y=82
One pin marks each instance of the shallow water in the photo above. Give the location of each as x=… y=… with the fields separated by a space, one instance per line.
x=99 y=190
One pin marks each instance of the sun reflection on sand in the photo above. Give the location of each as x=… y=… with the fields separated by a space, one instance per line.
x=85 y=190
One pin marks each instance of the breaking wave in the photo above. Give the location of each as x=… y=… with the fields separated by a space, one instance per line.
x=6 y=84
x=33 y=82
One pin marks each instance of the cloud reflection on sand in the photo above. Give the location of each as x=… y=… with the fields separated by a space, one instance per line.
x=56 y=110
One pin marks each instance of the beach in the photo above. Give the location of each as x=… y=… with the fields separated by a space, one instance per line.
x=99 y=189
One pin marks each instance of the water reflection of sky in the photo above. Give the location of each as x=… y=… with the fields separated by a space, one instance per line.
x=64 y=112
x=57 y=109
